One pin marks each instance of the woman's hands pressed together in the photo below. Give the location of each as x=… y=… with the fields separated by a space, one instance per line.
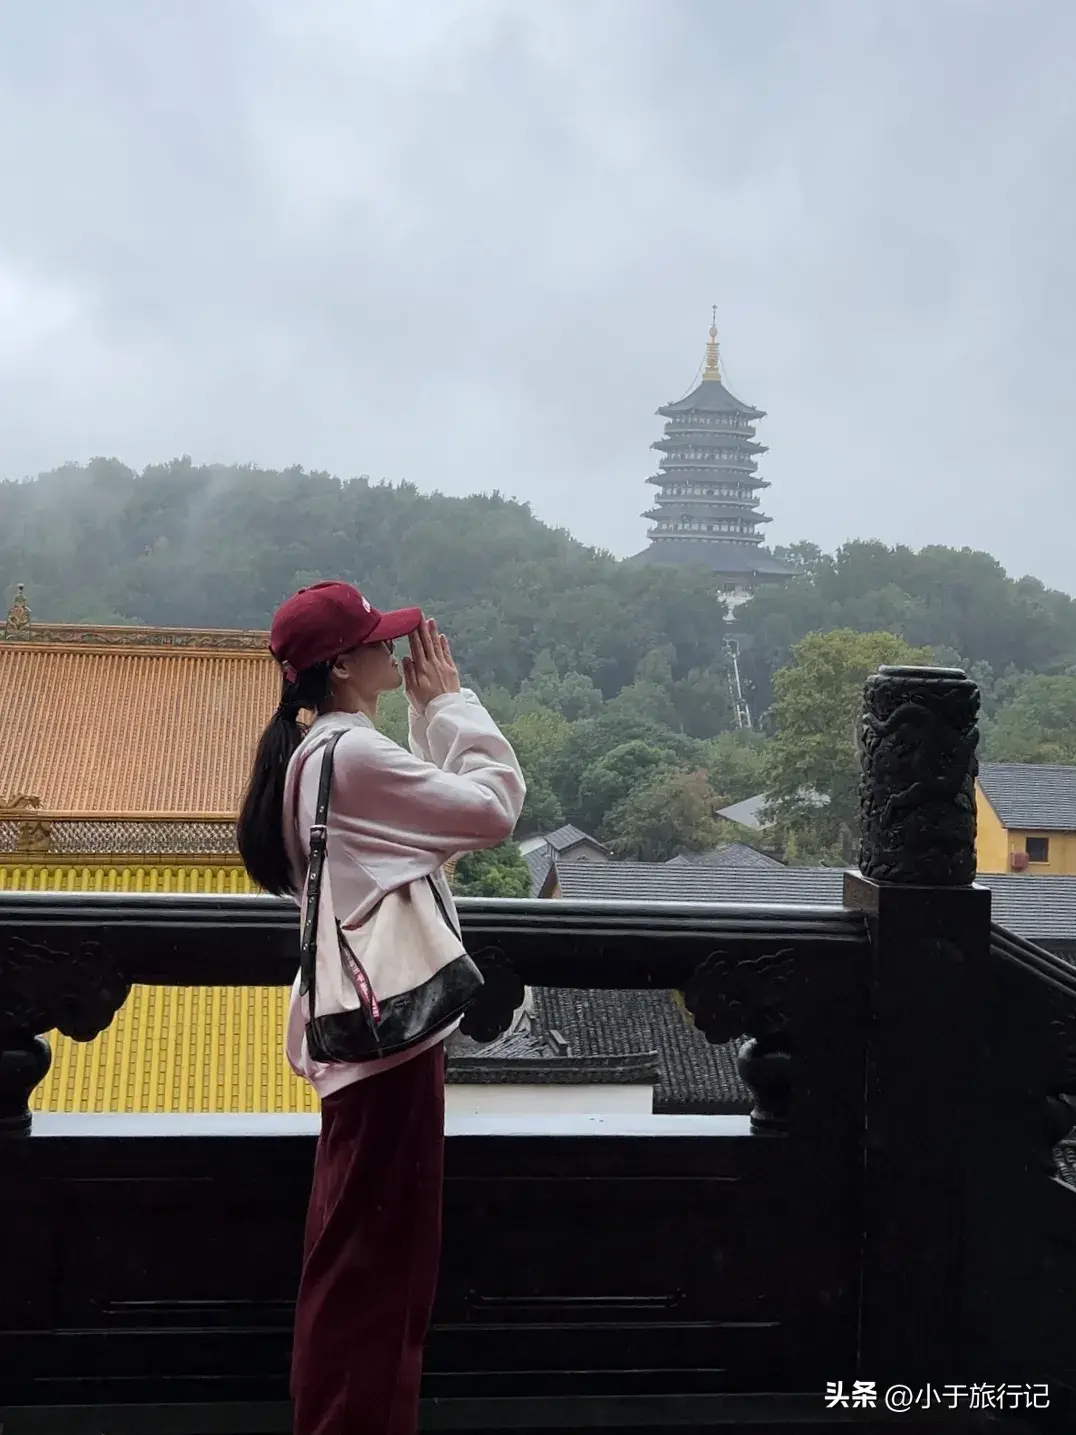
x=429 y=672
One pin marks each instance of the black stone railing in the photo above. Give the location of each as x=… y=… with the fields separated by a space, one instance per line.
x=70 y=960
x=890 y=1212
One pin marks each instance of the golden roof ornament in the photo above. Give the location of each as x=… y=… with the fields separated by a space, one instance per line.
x=711 y=370
x=18 y=617
x=18 y=804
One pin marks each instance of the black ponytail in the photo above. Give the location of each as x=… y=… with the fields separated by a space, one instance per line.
x=260 y=829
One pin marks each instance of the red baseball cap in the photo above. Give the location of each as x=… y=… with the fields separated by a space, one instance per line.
x=327 y=619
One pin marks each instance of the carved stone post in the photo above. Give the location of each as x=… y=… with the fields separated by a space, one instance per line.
x=930 y=937
x=918 y=741
x=76 y=990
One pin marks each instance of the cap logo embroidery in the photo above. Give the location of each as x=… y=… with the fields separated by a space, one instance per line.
x=366 y=605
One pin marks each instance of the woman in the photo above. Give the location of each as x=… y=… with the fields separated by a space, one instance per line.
x=373 y=1235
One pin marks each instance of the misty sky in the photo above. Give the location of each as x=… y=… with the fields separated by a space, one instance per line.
x=474 y=244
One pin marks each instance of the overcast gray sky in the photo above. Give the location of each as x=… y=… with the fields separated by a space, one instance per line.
x=474 y=244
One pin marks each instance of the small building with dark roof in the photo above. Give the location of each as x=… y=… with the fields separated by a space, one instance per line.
x=567 y=843
x=1026 y=815
x=692 y=1077
x=533 y=1070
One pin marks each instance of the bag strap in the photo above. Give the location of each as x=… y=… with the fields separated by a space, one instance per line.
x=443 y=909
x=308 y=948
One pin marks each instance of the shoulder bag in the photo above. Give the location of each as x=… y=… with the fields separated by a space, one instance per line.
x=397 y=978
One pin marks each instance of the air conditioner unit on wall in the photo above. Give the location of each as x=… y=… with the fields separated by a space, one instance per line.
x=1018 y=861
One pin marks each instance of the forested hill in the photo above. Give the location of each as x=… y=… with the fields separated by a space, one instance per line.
x=184 y=545
x=610 y=677
x=180 y=545
x=958 y=601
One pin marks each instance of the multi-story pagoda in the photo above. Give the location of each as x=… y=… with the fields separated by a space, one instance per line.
x=707 y=507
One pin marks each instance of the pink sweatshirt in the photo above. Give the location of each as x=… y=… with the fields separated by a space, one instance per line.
x=396 y=816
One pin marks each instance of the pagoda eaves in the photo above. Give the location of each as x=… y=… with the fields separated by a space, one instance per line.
x=707 y=510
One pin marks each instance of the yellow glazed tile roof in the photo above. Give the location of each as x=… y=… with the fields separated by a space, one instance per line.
x=132 y=732
x=181 y=1049
x=123 y=723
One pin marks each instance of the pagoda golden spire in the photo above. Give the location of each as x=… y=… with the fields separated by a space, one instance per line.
x=711 y=370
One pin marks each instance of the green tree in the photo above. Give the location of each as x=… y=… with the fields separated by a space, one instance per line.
x=814 y=753
x=541 y=624
x=590 y=740
x=645 y=701
x=496 y=872
x=947 y=598
x=538 y=738
x=573 y=696
x=807 y=557
x=667 y=814
x=735 y=765
x=542 y=811
x=607 y=782
x=499 y=703
x=1038 y=724
x=701 y=702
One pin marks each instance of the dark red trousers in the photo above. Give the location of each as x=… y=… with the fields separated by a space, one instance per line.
x=372 y=1253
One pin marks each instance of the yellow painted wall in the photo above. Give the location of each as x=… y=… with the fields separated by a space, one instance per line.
x=124 y=874
x=1062 y=852
x=994 y=845
x=992 y=841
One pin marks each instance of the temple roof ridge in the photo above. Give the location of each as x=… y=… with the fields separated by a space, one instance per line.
x=20 y=627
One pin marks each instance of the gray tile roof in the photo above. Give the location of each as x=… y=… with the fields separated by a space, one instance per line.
x=747 y=813
x=719 y=555
x=596 y=1070
x=1039 y=908
x=538 y=862
x=528 y=1040
x=606 y=1038
x=539 y=852
x=568 y=836
x=692 y=1076
x=734 y=854
x=528 y=1057
x=696 y=882
x=1039 y=796
x=712 y=397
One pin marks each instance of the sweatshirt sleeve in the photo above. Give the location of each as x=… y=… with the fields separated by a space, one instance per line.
x=466 y=795
x=418 y=724
x=416 y=734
